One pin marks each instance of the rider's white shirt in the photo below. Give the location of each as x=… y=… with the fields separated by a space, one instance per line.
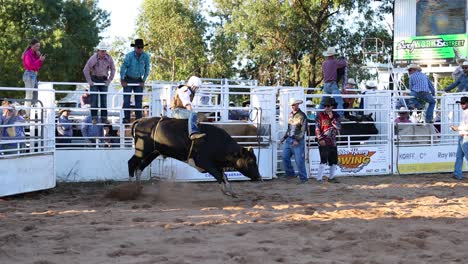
x=184 y=95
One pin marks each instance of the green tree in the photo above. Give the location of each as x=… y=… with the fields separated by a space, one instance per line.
x=282 y=41
x=175 y=32
x=68 y=31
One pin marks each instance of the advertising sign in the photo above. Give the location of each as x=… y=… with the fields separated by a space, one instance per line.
x=425 y=49
x=425 y=160
x=355 y=161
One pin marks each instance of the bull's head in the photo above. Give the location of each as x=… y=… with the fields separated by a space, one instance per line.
x=246 y=164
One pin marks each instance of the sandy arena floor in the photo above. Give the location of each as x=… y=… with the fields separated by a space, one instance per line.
x=406 y=219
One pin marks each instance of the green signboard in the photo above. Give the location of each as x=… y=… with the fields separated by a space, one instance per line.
x=431 y=48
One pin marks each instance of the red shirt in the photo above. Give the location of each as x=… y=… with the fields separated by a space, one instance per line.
x=31 y=61
x=326 y=128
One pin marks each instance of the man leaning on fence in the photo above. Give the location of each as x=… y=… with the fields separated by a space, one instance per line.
x=100 y=68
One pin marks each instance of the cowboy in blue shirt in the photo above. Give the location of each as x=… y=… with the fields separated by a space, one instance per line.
x=135 y=69
x=422 y=90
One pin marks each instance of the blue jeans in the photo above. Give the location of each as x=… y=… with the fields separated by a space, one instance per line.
x=30 y=81
x=299 y=155
x=462 y=152
x=95 y=98
x=332 y=88
x=138 y=98
x=181 y=113
x=425 y=97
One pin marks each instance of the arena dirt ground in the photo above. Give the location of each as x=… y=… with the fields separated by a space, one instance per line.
x=386 y=219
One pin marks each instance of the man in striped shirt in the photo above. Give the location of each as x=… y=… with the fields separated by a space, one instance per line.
x=422 y=91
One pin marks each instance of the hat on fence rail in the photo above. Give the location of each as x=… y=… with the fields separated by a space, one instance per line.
x=294 y=101
x=463 y=100
x=352 y=81
x=371 y=85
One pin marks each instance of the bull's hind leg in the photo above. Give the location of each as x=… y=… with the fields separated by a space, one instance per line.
x=133 y=164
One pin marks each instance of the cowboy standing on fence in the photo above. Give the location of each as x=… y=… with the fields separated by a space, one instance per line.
x=330 y=77
x=100 y=68
x=422 y=90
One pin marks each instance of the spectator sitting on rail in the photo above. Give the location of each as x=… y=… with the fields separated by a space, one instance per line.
x=92 y=129
x=349 y=102
x=85 y=99
x=403 y=116
x=459 y=71
x=64 y=128
x=461 y=82
x=9 y=130
x=371 y=86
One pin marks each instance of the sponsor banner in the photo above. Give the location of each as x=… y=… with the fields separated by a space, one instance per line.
x=425 y=159
x=356 y=161
x=439 y=48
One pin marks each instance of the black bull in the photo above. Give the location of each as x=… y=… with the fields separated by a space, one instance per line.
x=359 y=127
x=212 y=153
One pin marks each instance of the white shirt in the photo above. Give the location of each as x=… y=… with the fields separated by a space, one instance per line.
x=463 y=127
x=184 y=95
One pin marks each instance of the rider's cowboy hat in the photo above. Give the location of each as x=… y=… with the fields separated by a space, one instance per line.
x=138 y=43
x=330 y=52
x=351 y=81
x=293 y=101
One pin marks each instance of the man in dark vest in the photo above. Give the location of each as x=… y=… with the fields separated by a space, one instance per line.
x=182 y=106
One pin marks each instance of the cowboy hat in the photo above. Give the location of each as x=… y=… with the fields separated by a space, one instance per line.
x=138 y=43
x=64 y=110
x=351 y=81
x=327 y=100
x=103 y=46
x=465 y=63
x=330 y=52
x=293 y=101
x=403 y=110
x=463 y=100
x=371 y=84
x=414 y=66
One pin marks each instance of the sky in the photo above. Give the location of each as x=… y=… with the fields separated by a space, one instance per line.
x=123 y=17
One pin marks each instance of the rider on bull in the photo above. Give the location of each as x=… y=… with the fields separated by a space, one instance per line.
x=182 y=106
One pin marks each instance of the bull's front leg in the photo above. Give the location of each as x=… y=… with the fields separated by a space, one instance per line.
x=133 y=164
x=218 y=174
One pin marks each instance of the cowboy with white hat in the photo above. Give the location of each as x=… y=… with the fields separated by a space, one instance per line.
x=421 y=90
x=330 y=67
x=403 y=116
x=100 y=69
x=294 y=142
x=64 y=128
x=462 y=81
